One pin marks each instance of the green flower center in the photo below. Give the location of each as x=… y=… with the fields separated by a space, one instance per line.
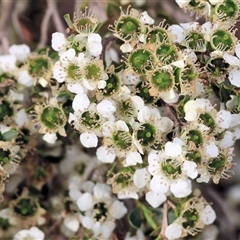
x=91 y=120
x=124 y=179
x=227 y=10
x=217 y=164
x=167 y=53
x=222 y=40
x=112 y=86
x=128 y=26
x=146 y=134
x=53 y=117
x=157 y=35
x=217 y=66
x=189 y=73
x=196 y=137
x=194 y=156
x=5 y=157
x=195 y=41
x=208 y=120
x=85 y=23
x=122 y=139
x=171 y=170
x=162 y=81
x=142 y=90
x=100 y=211
x=93 y=72
x=141 y=60
x=5 y=110
x=190 y=217
x=39 y=66
x=26 y=207
x=73 y=72
x=125 y=109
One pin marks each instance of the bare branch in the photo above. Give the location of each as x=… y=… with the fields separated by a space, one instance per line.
x=56 y=18
x=164 y=221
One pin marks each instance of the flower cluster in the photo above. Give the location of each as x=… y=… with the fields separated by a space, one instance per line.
x=154 y=108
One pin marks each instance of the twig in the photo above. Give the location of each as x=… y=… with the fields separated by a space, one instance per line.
x=173 y=116
x=51 y=11
x=171 y=204
x=5 y=16
x=164 y=221
x=16 y=24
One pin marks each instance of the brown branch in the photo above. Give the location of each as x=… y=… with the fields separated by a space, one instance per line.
x=51 y=11
x=164 y=221
x=173 y=116
x=5 y=16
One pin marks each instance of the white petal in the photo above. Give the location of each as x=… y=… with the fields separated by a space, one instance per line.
x=190 y=168
x=21 y=52
x=132 y=158
x=80 y=102
x=208 y=215
x=21 y=118
x=125 y=194
x=58 y=41
x=94 y=44
x=71 y=223
x=211 y=149
x=234 y=77
x=159 y=184
x=121 y=125
x=224 y=119
x=146 y=19
x=75 y=88
x=173 y=231
x=172 y=150
x=181 y=188
x=237 y=50
x=107 y=229
x=230 y=59
x=105 y=155
x=67 y=57
x=177 y=32
x=87 y=222
x=106 y=108
x=89 y=139
x=126 y=47
x=138 y=102
x=228 y=140
x=141 y=177
x=155 y=199
x=203 y=178
x=117 y=209
x=85 y=202
x=50 y=138
x=75 y=194
x=25 y=79
x=36 y=233
x=101 y=191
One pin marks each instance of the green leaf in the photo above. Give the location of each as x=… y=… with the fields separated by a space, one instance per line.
x=148 y=215
x=63 y=96
x=134 y=218
x=68 y=20
x=9 y=135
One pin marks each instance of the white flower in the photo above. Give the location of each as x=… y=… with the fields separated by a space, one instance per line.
x=89 y=139
x=211 y=149
x=58 y=41
x=169 y=146
x=173 y=231
x=33 y=233
x=21 y=52
x=50 y=137
x=181 y=188
x=94 y=44
x=208 y=215
x=7 y=63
